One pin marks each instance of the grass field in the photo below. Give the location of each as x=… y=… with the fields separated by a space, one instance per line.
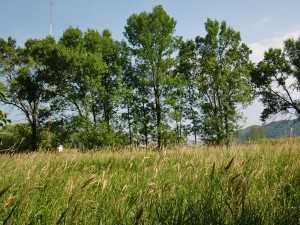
x=256 y=183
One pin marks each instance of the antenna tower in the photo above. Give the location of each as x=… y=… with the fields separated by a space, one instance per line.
x=51 y=4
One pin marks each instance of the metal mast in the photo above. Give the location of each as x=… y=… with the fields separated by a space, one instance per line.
x=51 y=4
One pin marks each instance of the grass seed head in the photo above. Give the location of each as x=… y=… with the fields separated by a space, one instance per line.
x=228 y=165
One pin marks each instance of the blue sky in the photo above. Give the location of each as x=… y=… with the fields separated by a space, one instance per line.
x=262 y=23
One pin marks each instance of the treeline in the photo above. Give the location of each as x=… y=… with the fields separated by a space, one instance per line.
x=87 y=90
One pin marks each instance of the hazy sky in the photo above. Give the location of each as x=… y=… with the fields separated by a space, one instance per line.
x=262 y=23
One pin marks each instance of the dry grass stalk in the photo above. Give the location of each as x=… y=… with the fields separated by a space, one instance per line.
x=228 y=165
x=84 y=184
x=62 y=216
x=4 y=190
x=76 y=212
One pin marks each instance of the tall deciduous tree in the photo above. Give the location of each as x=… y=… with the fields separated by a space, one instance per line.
x=188 y=67
x=152 y=40
x=27 y=80
x=277 y=80
x=223 y=78
x=91 y=81
x=82 y=66
x=135 y=100
x=109 y=95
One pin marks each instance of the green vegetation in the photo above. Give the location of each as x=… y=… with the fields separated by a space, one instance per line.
x=276 y=80
x=220 y=68
x=256 y=183
x=152 y=87
x=89 y=91
x=152 y=42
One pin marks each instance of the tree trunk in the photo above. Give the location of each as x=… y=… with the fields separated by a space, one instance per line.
x=145 y=125
x=194 y=126
x=94 y=115
x=227 y=141
x=180 y=132
x=34 y=142
x=106 y=113
x=158 y=116
x=129 y=126
x=177 y=132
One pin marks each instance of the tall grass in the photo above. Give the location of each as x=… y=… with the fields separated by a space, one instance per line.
x=256 y=183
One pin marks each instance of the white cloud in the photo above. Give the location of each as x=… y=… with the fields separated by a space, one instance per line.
x=259 y=47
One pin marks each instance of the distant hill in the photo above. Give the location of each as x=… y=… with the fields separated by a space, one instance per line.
x=276 y=129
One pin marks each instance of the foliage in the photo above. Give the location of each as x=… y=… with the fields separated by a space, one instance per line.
x=3 y=119
x=152 y=40
x=154 y=88
x=191 y=97
x=26 y=80
x=90 y=84
x=222 y=73
x=16 y=138
x=276 y=80
x=3 y=116
x=257 y=133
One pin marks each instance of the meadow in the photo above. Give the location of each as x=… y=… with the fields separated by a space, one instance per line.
x=255 y=183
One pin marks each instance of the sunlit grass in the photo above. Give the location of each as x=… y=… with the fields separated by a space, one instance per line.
x=256 y=183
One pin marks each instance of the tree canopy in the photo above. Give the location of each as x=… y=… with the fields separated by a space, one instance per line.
x=87 y=90
x=220 y=68
x=276 y=80
x=152 y=40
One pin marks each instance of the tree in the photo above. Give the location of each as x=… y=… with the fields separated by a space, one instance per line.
x=27 y=80
x=108 y=91
x=223 y=79
x=176 y=102
x=152 y=42
x=187 y=67
x=135 y=100
x=79 y=75
x=276 y=80
x=257 y=132
x=90 y=84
